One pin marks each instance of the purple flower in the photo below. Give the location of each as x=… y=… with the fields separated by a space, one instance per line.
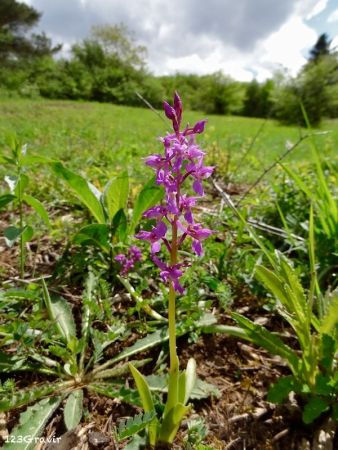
x=186 y=203
x=198 y=234
x=154 y=236
x=135 y=253
x=156 y=212
x=170 y=273
x=182 y=161
x=199 y=172
x=127 y=261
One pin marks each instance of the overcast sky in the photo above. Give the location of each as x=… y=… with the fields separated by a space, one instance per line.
x=243 y=38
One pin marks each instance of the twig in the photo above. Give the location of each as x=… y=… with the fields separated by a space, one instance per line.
x=255 y=223
x=31 y=280
x=150 y=106
x=252 y=143
x=274 y=164
x=232 y=443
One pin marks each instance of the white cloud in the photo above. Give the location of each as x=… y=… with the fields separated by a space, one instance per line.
x=286 y=46
x=333 y=17
x=314 y=7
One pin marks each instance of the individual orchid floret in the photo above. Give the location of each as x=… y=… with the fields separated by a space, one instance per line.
x=154 y=236
x=170 y=273
x=199 y=172
x=156 y=212
x=197 y=233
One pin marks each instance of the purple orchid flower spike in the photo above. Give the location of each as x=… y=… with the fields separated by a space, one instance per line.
x=181 y=163
x=182 y=160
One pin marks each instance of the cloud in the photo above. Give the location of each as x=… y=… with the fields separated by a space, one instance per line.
x=242 y=37
x=313 y=7
x=333 y=17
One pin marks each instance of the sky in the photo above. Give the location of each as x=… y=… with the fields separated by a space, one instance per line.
x=245 y=39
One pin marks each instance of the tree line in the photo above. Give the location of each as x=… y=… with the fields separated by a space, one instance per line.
x=109 y=66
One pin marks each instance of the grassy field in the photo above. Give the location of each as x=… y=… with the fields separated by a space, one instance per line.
x=101 y=139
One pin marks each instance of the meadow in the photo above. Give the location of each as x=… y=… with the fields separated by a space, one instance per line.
x=263 y=294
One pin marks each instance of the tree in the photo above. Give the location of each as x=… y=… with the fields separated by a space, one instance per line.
x=257 y=101
x=15 y=20
x=321 y=48
x=118 y=43
x=115 y=64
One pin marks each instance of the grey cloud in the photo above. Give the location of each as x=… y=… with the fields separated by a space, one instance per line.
x=195 y=25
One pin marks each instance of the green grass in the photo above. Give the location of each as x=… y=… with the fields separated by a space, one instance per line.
x=101 y=139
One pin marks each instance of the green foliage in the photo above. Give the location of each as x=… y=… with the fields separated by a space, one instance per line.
x=134 y=425
x=19 y=161
x=73 y=409
x=313 y=371
x=322 y=194
x=32 y=424
x=314 y=88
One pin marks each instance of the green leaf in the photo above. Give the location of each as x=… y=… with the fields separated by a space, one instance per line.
x=29 y=395
x=32 y=424
x=136 y=443
x=143 y=389
x=21 y=184
x=314 y=408
x=39 y=208
x=264 y=338
x=30 y=160
x=225 y=329
x=118 y=392
x=8 y=363
x=171 y=422
x=84 y=190
x=190 y=377
x=6 y=199
x=27 y=234
x=328 y=351
x=95 y=234
x=134 y=425
x=11 y=234
x=147 y=401
x=329 y=323
x=60 y=313
x=274 y=284
x=148 y=197
x=120 y=226
x=73 y=409
x=323 y=385
x=115 y=194
x=279 y=391
x=201 y=389
x=149 y=341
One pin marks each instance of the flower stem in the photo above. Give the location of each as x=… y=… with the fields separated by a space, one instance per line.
x=172 y=304
x=172 y=329
x=22 y=245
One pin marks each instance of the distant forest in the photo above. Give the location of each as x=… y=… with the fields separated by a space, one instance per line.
x=109 y=66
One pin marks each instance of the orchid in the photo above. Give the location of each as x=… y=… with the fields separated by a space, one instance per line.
x=182 y=159
x=128 y=261
x=174 y=223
